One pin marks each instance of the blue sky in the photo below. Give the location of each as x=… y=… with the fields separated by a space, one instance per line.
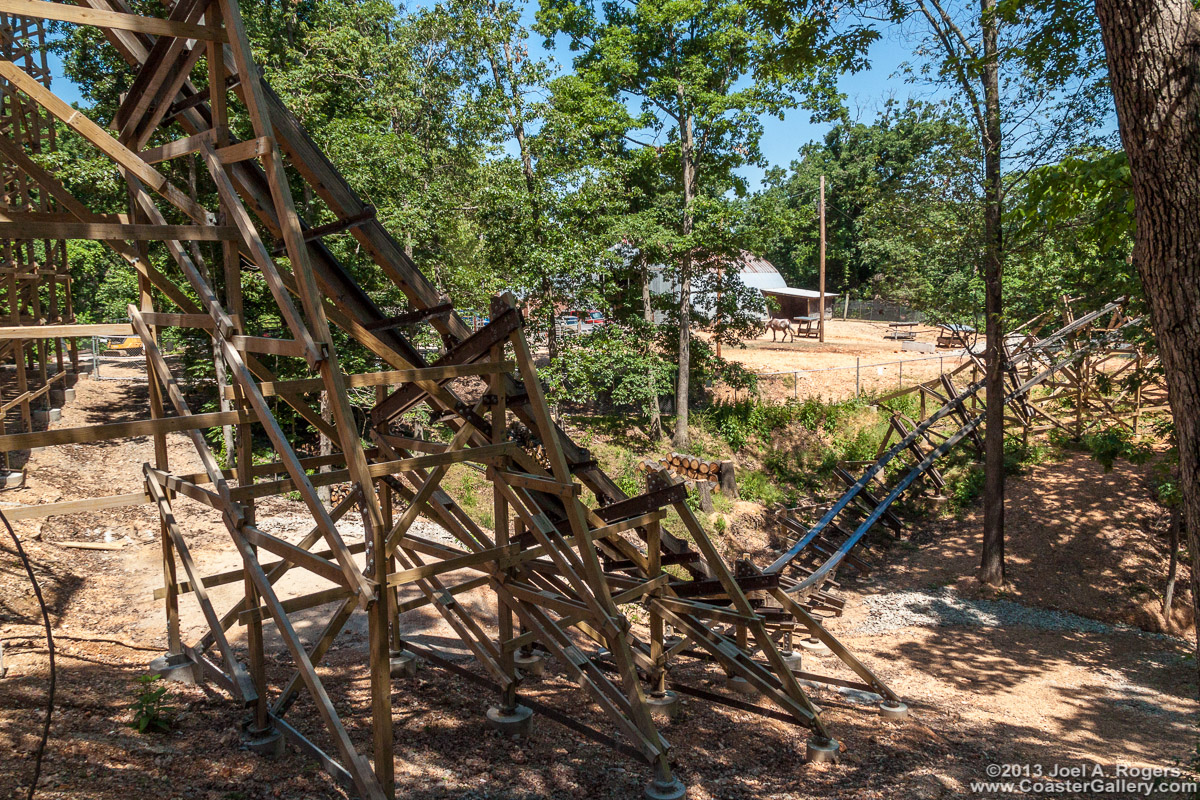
x=865 y=92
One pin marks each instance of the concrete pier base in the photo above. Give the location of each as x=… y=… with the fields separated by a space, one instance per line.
x=516 y=722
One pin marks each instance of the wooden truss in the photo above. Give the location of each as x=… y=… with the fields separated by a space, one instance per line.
x=35 y=281
x=558 y=568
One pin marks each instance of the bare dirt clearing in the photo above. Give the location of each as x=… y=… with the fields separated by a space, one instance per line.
x=980 y=694
x=828 y=369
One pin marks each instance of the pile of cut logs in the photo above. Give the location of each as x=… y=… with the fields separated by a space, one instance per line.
x=693 y=470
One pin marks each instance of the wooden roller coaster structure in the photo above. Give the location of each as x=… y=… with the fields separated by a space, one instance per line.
x=558 y=569
x=1087 y=373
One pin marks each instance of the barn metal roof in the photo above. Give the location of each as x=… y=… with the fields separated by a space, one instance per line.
x=790 y=292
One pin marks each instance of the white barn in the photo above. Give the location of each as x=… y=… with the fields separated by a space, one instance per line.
x=755 y=271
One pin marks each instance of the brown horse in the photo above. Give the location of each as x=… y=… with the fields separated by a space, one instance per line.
x=782 y=325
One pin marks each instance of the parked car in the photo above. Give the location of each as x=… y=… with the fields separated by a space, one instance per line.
x=580 y=321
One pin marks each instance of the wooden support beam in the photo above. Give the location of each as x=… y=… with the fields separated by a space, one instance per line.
x=537 y=483
x=412 y=317
x=268 y=346
x=389 y=378
x=330 y=228
x=295 y=555
x=244 y=151
x=466 y=561
x=65 y=331
x=123 y=430
x=91 y=504
x=180 y=147
x=483 y=454
x=64 y=12
x=32 y=228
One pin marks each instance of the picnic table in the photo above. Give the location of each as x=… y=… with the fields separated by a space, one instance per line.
x=807 y=326
x=956 y=336
x=901 y=330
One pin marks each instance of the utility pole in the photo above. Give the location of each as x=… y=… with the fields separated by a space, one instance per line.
x=821 y=279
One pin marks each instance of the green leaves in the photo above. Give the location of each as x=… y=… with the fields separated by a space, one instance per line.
x=151 y=712
x=609 y=367
x=902 y=209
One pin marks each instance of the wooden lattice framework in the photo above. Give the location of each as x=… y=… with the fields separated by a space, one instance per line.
x=557 y=568
x=35 y=280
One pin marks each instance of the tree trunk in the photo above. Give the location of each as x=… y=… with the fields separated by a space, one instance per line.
x=992 y=563
x=1172 y=564
x=1153 y=49
x=656 y=429
x=680 y=440
x=325 y=445
x=504 y=78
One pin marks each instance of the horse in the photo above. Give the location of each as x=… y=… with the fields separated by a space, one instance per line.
x=782 y=325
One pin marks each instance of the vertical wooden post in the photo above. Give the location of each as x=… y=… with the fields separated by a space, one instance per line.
x=821 y=268
x=174 y=639
x=508 y=702
x=657 y=648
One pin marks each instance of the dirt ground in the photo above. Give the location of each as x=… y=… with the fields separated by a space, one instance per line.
x=980 y=695
x=828 y=369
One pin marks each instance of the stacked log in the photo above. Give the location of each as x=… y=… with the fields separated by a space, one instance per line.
x=695 y=472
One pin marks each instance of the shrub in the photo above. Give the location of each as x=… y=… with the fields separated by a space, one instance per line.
x=964 y=488
x=756 y=486
x=741 y=422
x=609 y=367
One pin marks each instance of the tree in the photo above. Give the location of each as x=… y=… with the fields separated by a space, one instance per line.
x=1153 y=54
x=1026 y=71
x=903 y=209
x=704 y=71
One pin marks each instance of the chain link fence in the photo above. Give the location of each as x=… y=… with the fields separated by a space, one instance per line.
x=855 y=380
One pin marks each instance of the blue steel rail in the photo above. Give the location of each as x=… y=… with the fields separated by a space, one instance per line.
x=817 y=578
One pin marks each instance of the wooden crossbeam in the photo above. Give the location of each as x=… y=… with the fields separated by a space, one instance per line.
x=32 y=228
x=483 y=455
x=65 y=331
x=180 y=147
x=389 y=378
x=330 y=228
x=412 y=317
x=64 y=12
x=123 y=430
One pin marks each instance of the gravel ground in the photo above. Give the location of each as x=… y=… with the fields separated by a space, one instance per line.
x=944 y=607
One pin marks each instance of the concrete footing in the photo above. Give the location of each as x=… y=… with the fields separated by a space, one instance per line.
x=821 y=749
x=666 y=704
x=793 y=659
x=68 y=395
x=742 y=686
x=814 y=645
x=403 y=664
x=268 y=742
x=178 y=668
x=12 y=480
x=532 y=664
x=516 y=722
x=893 y=709
x=45 y=416
x=658 y=789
